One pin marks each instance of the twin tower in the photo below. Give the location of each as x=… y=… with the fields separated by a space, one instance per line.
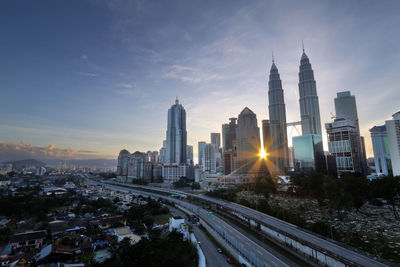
x=277 y=146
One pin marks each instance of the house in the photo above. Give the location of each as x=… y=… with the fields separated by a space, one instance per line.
x=28 y=241
x=125 y=232
x=178 y=223
x=109 y=221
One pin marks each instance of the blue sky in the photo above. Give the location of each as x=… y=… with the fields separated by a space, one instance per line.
x=88 y=78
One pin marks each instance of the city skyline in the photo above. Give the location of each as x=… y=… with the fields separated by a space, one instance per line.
x=91 y=91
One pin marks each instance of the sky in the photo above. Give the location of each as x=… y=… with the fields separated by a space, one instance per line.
x=85 y=79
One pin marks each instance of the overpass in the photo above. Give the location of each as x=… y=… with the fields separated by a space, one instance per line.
x=314 y=247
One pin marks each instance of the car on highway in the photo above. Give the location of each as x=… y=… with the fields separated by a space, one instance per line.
x=228 y=260
x=219 y=250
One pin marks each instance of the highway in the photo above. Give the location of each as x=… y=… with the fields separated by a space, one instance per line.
x=250 y=249
x=213 y=257
x=312 y=240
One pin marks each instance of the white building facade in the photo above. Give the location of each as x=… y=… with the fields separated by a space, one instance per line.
x=393 y=133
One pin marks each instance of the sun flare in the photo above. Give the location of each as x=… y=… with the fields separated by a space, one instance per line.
x=262 y=154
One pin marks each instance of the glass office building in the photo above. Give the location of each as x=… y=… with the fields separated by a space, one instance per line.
x=308 y=153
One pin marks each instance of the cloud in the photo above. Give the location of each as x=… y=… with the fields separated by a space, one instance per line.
x=84 y=57
x=22 y=150
x=86 y=74
x=189 y=74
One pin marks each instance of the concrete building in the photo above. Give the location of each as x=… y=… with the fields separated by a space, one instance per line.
x=209 y=158
x=247 y=141
x=153 y=156
x=189 y=155
x=309 y=105
x=215 y=138
x=266 y=135
x=308 y=153
x=139 y=167
x=200 y=153
x=163 y=153
x=278 y=152
x=122 y=167
x=346 y=108
x=229 y=161
x=176 y=134
x=380 y=145
x=393 y=133
x=173 y=172
x=229 y=135
x=345 y=145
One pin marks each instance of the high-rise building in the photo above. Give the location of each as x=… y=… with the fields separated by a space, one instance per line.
x=278 y=152
x=229 y=135
x=380 y=145
x=209 y=156
x=189 y=155
x=308 y=153
x=139 y=167
x=176 y=134
x=163 y=153
x=266 y=135
x=393 y=132
x=247 y=141
x=345 y=145
x=216 y=139
x=122 y=167
x=200 y=153
x=309 y=105
x=346 y=108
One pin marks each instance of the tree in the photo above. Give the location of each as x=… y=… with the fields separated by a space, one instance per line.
x=265 y=186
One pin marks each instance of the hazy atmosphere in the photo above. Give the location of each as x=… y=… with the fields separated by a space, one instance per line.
x=84 y=79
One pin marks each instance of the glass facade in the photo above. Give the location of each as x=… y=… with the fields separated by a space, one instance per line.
x=308 y=153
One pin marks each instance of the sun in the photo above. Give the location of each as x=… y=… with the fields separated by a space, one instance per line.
x=262 y=154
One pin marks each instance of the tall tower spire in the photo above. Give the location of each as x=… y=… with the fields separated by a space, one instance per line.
x=309 y=105
x=302 y=45
x=278 y=152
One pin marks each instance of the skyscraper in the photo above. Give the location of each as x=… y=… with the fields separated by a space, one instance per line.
x=266 y=132
x=200 y=153
x=278 y=152
x=229 y=135
x=247 y=140
x=380 y=144
x=309 y=106
x=393 y=132
x=176 y=134
x=122 y=167
x=189 y=155
x=346 y=108
x=210 y=161
x=216 y=139
x=345 y=145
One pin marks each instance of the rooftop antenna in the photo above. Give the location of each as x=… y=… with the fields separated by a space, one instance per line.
x=302 y=44
x=176 y=101
x=273 y=59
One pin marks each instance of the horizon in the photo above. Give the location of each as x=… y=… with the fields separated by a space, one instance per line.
x=84 y=80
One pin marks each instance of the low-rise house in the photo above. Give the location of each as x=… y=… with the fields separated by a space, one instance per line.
x=125 y=232
x=109 y=221
x=28 y=241
x=178 y=223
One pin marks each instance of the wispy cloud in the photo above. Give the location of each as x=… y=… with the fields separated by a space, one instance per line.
x=90 y=74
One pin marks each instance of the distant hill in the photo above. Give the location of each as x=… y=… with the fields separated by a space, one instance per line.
x=91 y=163
x=25 y=163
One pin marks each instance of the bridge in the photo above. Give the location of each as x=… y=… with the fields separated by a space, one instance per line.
x=316 y=248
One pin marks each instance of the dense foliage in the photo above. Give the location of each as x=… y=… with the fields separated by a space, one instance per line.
x=158 y=250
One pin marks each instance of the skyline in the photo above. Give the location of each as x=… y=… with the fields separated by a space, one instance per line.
x=106 y=78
